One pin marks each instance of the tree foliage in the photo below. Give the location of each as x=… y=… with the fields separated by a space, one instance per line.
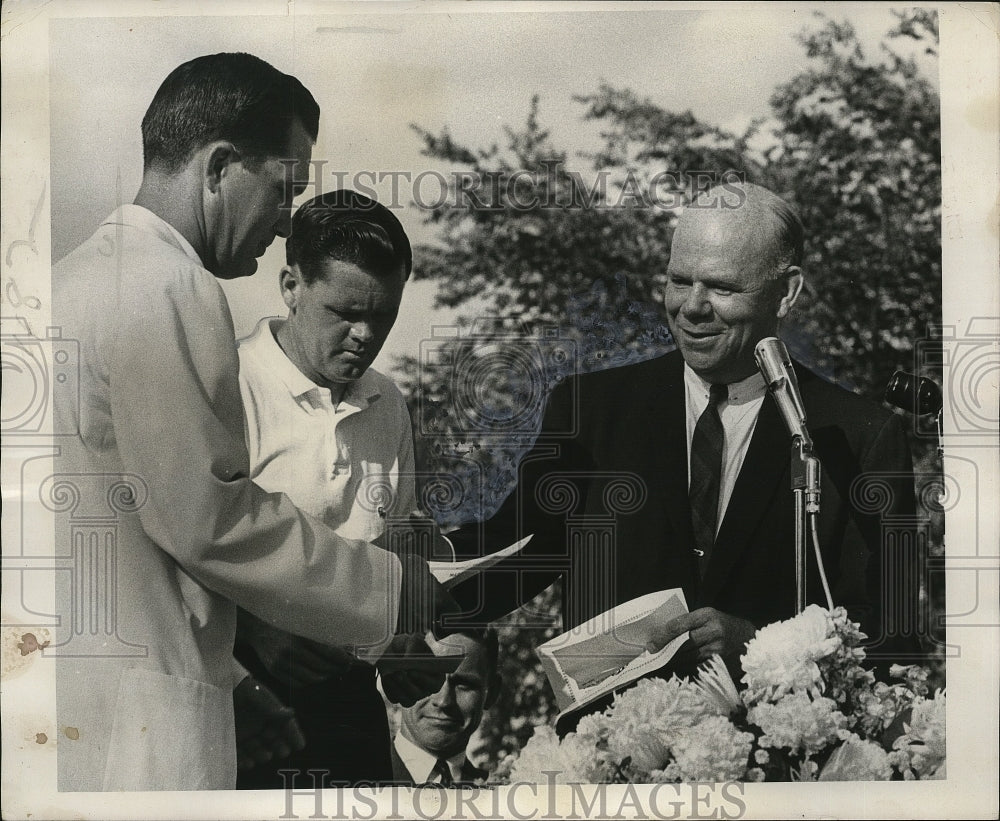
x=581 y=245
x=860 y=147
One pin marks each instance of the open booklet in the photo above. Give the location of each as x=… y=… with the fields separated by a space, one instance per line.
x=453 y=573
x=606 y=653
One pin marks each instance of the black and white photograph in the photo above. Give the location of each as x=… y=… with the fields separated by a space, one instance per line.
x=500 y=410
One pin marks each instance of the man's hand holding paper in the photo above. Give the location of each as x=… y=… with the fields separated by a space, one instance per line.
x=410 y=669
x=597 y=657
x=711 y=632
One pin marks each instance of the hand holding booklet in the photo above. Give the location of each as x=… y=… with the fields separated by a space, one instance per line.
x=601 y=655
x=606 y=653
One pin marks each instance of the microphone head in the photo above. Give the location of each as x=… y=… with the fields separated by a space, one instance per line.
x=913 y=394
x=773 y=360
x=776 y=367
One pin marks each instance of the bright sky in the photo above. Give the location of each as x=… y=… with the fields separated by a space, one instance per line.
x=375 y=74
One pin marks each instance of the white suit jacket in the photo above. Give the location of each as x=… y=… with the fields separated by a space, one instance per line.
x=144 y=663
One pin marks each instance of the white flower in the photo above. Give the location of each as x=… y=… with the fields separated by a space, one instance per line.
x=670 y=773
x=661 y=703
x=594 y=725
x=806 y=771
x=857 y=760
x=712 y=750
x=849 y=631
x=580 y=762
x=808 y=698
x=647 y=749
x=575 y=759
x=717 y=686
x=644 y=719
x=782 y=656
x=923 y=740
x=915 y=677
x=878 y=706
x=799 y=723
x=535 y=755
x=667 y=775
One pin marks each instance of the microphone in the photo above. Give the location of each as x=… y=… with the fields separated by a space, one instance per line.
x=913 y=394
x=776 y=367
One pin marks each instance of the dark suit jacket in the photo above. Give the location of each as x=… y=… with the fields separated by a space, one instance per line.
x=609 y=505
x=344 y=722
x=401 y=776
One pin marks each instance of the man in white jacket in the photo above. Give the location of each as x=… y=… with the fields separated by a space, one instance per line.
x=145 y=688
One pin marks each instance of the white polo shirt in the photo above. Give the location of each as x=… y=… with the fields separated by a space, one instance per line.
x=350 y=465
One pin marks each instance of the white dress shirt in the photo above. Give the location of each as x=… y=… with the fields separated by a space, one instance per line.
x=739 y=418
x=350 y=465
x=420 y=763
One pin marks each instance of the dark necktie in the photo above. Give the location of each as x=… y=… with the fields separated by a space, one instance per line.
x=706 y=474
x=443 y=771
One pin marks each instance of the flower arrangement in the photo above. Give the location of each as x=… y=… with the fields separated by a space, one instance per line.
x=809 y=711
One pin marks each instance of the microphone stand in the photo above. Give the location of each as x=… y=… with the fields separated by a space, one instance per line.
x=776 y=367
x=805 y=471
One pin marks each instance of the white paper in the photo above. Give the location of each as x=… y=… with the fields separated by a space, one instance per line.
x=608 y=652
x=453 y=573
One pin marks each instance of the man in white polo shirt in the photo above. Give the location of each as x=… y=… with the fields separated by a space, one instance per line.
x=335 y=435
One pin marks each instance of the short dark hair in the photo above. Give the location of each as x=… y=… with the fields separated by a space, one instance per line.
x=347 y=226
x=229 y=96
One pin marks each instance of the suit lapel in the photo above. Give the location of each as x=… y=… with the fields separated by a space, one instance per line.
x=668 y=446
x=667 y=449
x=767 y=458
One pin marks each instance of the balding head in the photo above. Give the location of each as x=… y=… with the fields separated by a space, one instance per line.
x=758 y=226
x=733 y=275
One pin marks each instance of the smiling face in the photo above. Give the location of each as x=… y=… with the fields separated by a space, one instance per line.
x=251 y=205
x=338 y=323
x=443 y=723
x=722 y=295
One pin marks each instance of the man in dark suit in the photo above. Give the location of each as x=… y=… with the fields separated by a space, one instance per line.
x=434 y=733
x=675 y=472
